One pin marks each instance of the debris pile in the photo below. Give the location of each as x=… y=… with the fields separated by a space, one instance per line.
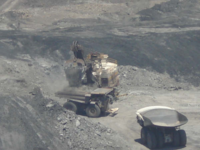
x=77 y=132
x=132 y=77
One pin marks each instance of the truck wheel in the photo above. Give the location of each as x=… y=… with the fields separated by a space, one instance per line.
x=183 y=138
x=160 y=139
x=70 y=106
x=93 y=111
x=106 y=103
x=151 y=140
x=176 y=139
x=110 y=98
x=144 y=135
x=105 y=109
x=140 y=121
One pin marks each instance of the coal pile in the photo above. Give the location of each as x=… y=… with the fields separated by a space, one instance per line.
x=74 y=131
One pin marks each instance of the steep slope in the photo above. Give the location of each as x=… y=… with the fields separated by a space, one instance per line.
x=32 y=118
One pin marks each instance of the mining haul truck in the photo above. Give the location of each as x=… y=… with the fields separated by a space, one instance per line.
x=160 y=126
x=96 y=71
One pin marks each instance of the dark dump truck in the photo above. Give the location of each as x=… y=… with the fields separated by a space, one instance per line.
x=161 y=125
x=99 y=73
x=94 y=103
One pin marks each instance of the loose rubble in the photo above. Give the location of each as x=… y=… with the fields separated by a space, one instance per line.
x=133 y=78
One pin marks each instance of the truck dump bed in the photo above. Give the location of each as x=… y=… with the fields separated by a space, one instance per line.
x=101 y=91
x=161 y=116
x=72 y=94
x=81 y=95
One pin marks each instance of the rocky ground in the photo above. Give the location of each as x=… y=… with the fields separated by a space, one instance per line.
x=156 y=43
x=31 y=118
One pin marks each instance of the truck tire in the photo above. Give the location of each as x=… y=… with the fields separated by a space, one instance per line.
x=183 y=138
x=106 y=103
x=143 y=134
x=160 y=139
x=70 y=106
x=110 y=98
x=140 y=121
x=151 y=140
x=176 y=138
x=93 y=111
